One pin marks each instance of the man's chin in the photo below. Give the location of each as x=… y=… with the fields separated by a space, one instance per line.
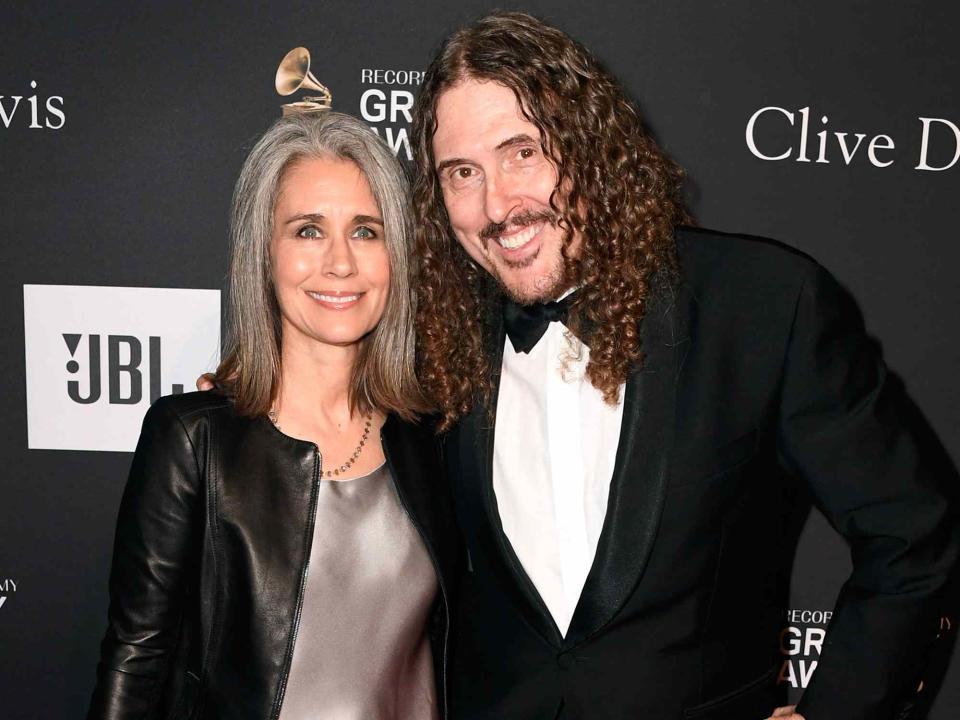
x=528 y=291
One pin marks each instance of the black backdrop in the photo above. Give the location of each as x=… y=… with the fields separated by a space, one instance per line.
x=122 y=179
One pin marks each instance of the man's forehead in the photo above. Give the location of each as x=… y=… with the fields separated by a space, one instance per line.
x=475 y=116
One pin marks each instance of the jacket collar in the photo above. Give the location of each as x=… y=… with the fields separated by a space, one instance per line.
x=637 y=488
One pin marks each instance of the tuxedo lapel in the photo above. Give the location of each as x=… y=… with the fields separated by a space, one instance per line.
x=640 y=472
x=473 y=475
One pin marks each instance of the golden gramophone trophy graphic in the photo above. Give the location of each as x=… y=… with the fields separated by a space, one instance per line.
x=294 y=74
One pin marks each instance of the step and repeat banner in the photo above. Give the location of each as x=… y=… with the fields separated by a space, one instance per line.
x=833 y=127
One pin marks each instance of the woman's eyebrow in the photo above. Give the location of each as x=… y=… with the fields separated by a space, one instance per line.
x=310 y=217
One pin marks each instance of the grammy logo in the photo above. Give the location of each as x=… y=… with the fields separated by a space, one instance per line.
x=294 y=74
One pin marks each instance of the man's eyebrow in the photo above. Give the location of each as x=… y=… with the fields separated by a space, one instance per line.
x=449 y=163
x=521 y=139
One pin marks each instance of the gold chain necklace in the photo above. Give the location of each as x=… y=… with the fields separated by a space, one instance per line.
x=356 y=453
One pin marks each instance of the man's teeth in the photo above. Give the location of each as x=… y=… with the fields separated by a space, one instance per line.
x=512 y=242
x=336 y=299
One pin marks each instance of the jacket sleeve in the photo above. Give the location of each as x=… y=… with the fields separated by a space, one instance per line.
x=153 y=547
x=847 y=428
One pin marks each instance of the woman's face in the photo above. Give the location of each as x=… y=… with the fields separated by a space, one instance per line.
x=331 y=271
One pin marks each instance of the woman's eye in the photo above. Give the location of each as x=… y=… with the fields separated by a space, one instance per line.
x=364 y=233
x=309 y=231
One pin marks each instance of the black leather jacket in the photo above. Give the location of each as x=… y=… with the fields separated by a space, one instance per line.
x=210 y=557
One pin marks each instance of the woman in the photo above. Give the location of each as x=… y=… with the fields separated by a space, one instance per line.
x=284 y=546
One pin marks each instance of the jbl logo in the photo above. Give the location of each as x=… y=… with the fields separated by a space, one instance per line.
x=124 y=369
x=97 y=357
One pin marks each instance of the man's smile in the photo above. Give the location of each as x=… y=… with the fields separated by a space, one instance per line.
x=520 y=237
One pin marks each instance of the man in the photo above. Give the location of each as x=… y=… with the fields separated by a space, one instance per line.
x=626 y=400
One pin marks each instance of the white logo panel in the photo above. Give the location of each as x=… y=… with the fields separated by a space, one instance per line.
x=97 y=357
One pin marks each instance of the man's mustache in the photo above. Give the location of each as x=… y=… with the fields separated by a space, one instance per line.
x=521 y=220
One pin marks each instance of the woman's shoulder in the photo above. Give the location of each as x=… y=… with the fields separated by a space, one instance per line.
x=191 y=403
x=188 y=409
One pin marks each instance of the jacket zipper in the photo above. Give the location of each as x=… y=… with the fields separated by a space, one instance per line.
x=288 y=658
x=436 y=569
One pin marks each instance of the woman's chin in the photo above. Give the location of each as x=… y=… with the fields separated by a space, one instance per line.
x=342 y=339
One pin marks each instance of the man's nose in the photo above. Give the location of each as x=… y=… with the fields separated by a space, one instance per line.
x=501 y=197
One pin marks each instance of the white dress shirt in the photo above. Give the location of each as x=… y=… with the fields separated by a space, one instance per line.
x=555 y=445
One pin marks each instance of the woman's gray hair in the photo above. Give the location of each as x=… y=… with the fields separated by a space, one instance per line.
x=383 y=377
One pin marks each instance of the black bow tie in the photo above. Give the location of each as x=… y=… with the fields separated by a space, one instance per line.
x=526 y=324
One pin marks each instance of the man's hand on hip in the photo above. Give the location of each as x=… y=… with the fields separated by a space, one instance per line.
x=786 y=713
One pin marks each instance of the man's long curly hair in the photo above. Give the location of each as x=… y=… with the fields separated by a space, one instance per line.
x=621 y=194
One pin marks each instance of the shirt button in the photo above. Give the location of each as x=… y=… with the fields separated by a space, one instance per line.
x=566 y=661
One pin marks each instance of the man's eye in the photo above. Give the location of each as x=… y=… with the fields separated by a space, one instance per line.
x=364 y=233
x=526 y=153
x=309 y=231
x=463 y=177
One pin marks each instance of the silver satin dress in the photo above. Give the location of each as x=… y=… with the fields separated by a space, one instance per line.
x=362 y=651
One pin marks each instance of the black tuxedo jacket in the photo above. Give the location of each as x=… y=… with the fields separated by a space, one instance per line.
x=757 y=370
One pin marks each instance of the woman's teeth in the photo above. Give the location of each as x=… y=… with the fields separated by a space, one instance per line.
x=334 y=299
x=512 y=242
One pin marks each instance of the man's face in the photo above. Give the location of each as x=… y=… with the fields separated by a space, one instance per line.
x=496 y=185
